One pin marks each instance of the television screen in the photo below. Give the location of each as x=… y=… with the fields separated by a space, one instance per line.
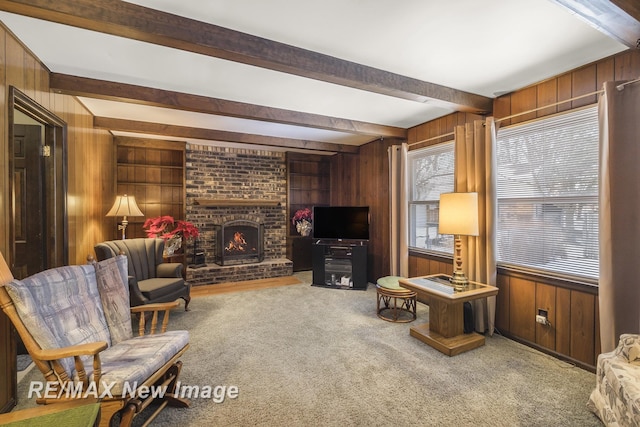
x=341 y=222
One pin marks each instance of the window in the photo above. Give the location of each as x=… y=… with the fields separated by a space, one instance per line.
x=430 y=174
x=548 y=194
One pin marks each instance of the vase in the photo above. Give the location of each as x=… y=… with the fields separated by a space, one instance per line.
x=303 y=227
x=172 y=245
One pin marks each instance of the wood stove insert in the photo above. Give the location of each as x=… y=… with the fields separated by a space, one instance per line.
x=239 y=242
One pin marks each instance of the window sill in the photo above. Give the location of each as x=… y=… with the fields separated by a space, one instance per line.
x=578 y=284
x=424 y=253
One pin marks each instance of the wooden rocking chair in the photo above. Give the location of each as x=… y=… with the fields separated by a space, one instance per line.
x=75 y=322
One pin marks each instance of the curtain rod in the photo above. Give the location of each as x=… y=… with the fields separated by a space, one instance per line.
x=431 y=139
x=597 y=92
x=622 y=85
x=533 y=110
x=520 y=114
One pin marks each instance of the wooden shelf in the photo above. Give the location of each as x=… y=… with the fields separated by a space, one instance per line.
x=155 y=174
x=308 y=185
x=149 y=183
x=236 y=202
x=151 y=165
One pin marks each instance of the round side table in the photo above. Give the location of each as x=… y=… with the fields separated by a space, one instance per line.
x=395 y=303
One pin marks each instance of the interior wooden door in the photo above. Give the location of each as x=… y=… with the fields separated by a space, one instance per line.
x=28 y=243
x=29 y=209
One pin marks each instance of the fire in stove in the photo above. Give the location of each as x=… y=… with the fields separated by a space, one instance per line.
x=238 y=244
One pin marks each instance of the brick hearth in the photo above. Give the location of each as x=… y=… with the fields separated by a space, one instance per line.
x=213 y=273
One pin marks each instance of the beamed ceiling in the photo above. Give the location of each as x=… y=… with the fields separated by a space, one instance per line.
x=321 y=77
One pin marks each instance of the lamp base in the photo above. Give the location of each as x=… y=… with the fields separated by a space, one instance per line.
x=459 y=281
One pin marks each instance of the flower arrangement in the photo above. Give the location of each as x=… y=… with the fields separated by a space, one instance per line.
x=166 y=227
x=302 y=215
x=302 y=219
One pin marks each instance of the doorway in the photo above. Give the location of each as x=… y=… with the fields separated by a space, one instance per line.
x=38 y=182
x=37 y=240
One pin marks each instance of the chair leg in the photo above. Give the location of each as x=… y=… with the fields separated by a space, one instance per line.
x=172 y=397
x=127 y=413
x=187 y=300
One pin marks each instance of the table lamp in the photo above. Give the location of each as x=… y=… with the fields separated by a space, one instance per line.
x=458 y=216
x=124 y=206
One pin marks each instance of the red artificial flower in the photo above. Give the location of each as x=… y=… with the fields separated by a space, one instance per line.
x=302 y=215
x=166 y=227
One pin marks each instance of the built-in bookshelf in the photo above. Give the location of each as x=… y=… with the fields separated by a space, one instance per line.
x=308 y=185
x=154 y=172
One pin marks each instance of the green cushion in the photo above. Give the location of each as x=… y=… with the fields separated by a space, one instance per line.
x=390 y=282
x=81 y=416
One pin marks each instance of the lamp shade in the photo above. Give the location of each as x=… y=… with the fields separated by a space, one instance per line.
x=458 y=214
x=5 y=272
x=125 y=206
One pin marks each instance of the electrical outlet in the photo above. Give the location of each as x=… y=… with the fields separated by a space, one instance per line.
x=543 y=317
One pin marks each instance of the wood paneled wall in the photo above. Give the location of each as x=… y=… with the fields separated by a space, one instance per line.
x=438 y=130
x=90 y=168
x=90 y=151
x=576 y=83
x=572 y=308
x=363 y=180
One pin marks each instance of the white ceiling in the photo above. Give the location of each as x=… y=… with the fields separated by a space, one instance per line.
x=484 y=47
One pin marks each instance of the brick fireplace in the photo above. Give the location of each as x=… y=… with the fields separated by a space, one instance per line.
x=232 y=190
x=239 y=242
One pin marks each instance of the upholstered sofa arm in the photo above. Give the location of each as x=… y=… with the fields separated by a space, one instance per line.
x=135 y=294
x=169 y=269
x=629 y=348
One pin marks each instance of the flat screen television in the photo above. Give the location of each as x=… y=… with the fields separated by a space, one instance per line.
x=341 y=222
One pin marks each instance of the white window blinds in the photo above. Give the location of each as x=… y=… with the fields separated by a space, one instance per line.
x=430 y=174
x=548 y=194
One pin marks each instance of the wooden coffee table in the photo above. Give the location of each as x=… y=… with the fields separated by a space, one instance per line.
x=445 y=330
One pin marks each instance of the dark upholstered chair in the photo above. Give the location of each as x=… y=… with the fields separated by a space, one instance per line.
x=150 y=279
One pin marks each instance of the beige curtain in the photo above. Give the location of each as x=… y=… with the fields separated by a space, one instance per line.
x=398 y=215
x=475 y=172
x=619 y=283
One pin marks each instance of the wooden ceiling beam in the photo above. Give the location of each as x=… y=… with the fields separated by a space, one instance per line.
x=619 y=19
x=175 y=131
x=102 y=89
x=136 y=22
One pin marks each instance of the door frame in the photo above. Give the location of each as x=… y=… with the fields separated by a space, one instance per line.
x=55 y=179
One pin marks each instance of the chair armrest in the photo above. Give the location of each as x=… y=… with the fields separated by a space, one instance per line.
x=135 y=294
x=54 y=355
x=154 y=308
x=629 y=348
x=87 y=349
x=169 y=269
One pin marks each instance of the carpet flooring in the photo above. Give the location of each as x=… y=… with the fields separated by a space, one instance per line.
x=301 y=355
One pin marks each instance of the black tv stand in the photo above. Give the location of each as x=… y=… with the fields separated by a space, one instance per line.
x=340 y=264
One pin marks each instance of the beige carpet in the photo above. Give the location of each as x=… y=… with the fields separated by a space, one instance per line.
x=302 y=355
